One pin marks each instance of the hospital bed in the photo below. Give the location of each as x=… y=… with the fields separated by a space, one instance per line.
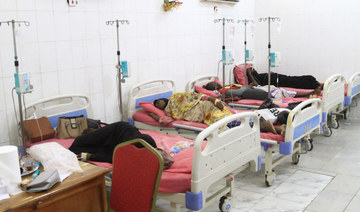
x=332 y=99
x=351 y=92
x=213 y=163
x=303 y=120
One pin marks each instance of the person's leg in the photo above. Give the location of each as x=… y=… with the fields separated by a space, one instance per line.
x=313 y=94
x=255 y=93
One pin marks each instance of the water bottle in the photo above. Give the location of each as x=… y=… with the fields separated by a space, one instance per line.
x=180 y=146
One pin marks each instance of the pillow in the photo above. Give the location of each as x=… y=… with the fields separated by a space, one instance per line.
x=240 y=74
x=202 y=90
x=150 y=107
x=38 y=129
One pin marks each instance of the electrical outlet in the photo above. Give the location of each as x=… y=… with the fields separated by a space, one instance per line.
x=72 y=3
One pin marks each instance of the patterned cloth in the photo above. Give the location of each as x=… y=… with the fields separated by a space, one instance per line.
x=190 y=106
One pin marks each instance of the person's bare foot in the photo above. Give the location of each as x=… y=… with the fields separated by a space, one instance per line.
x=267 y=126
x=281 y=129
x=316 y=93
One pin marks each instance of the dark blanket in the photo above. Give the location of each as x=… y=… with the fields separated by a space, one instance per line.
x=102 y=142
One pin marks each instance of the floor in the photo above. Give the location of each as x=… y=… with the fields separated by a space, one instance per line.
x=325 y=179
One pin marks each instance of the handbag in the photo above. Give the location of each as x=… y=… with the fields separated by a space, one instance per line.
x=38 y=129
x=70 y=127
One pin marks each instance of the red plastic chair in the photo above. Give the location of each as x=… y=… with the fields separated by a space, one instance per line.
x=136 y=177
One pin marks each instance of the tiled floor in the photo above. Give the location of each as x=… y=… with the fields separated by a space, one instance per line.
x=325 y=179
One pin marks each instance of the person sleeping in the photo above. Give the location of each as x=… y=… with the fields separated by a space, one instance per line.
x=99 y=145
x=237 y=92
x=281 y=80
x=191 y=106
x=197 y=107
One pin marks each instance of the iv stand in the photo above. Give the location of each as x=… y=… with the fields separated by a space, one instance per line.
x=16 y=63
x=273 y=19
x=118 y=65
x=245 y=21
x=223 y=51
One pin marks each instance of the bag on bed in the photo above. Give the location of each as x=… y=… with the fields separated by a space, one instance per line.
x=70 y=127
x=38 y=129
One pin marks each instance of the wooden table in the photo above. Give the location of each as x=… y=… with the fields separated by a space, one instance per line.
x=79 y=192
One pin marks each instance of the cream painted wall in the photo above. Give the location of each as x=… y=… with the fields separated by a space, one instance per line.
x=71 y=50
x=318 y=37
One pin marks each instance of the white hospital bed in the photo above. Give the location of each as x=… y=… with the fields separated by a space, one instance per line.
x=148 y=92
x=332 y=98
x=226 y=154
x=352 y=92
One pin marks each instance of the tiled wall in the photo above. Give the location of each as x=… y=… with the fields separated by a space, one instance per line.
x=72 y=50
x=319 y=37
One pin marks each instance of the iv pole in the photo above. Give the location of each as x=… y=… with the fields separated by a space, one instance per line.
x=118 y=65
x=223 y=51
x=16 y=63
x=245 y=21
x=273 y=19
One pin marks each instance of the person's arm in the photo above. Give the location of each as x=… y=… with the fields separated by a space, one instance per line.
x=252 y=81
x=154 y=116
x=216 y=102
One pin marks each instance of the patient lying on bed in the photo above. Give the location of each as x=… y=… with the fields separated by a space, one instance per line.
x=237 y=92
x=191 y=106
x=304 y=81
x=100 y=144
x=196 y=107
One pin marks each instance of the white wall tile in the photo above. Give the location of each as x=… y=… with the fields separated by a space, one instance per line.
x=64 y=54
x=8 y=5
x=44 y=5
x=26 y=5
x=79 y=53
x=45 y=26
x=66 y=82
x=48 y=61
x=62 y=25
x=50 y=84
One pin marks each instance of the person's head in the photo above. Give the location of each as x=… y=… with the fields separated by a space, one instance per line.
x=282 y=117
x=212 y=86
x=161 y=103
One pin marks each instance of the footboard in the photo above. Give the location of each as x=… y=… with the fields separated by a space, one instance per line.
x=353 y=88
x=226 y=151
x=333 y=94
x=303 y=120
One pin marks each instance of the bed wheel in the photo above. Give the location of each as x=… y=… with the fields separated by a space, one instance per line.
x=269 y=180
x=295 y=158
x=225 y=204
x=327 y=131
x=309 y=144
x=335 y=123
x=346 y=113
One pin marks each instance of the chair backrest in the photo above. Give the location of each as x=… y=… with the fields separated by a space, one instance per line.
x=136 y=177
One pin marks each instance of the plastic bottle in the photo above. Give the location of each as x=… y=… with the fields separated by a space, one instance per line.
x=180 y=146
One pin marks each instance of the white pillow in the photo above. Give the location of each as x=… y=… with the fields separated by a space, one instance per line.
x=54 y=156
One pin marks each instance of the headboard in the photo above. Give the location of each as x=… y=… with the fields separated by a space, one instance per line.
x=148 y=92
x=58 y=106
x=199 y=81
